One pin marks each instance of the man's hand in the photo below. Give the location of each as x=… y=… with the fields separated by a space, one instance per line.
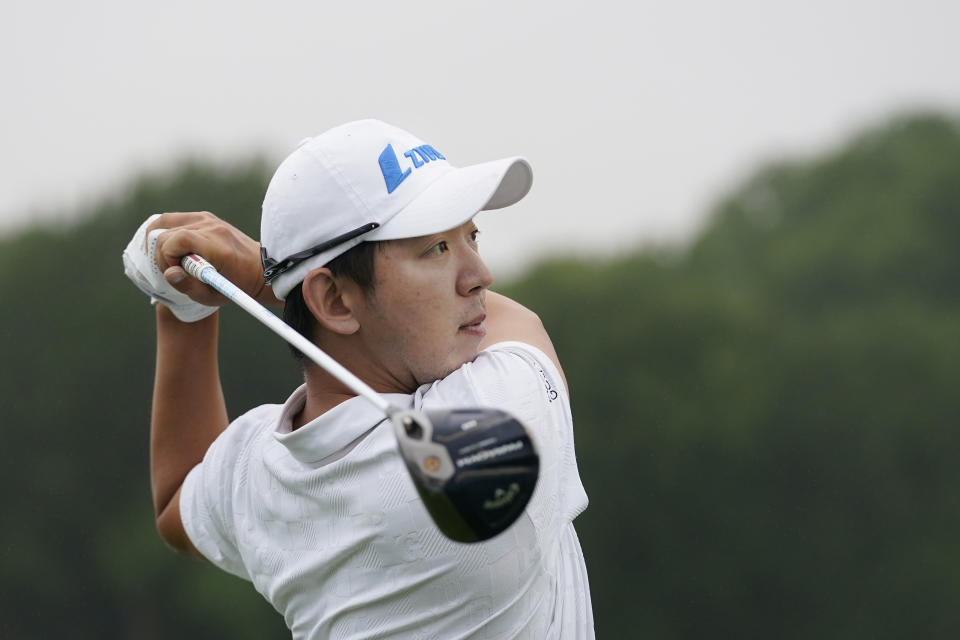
x=232 y=252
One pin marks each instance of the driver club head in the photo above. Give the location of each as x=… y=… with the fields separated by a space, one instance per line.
x=475 y=469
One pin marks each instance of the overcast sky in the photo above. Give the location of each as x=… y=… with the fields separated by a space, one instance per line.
x=635 y=116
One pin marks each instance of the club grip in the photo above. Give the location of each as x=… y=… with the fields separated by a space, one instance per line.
x=194 y=265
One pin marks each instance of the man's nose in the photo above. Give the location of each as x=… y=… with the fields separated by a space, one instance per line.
x=474 y=274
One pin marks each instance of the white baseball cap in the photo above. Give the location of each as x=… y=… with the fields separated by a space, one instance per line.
x=368 y=180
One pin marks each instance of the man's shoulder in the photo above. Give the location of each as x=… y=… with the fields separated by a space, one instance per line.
x=260 y=413
x=504 y=375
x=247 y=426
x=523 y=361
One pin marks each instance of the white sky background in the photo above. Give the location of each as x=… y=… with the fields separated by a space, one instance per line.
x=635 y=116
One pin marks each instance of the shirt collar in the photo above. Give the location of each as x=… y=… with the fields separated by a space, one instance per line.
x=325 y=435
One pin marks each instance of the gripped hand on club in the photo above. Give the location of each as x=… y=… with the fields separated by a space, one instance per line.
x=233 y=253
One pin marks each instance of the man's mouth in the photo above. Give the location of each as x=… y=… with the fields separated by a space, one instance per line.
x=476 y=326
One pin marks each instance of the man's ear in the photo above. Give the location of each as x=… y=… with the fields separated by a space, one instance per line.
x=331 y=301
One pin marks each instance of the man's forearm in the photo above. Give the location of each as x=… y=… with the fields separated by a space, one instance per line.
x=189 y=411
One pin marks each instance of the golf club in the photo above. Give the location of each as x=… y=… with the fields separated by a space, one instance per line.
x=475 y=468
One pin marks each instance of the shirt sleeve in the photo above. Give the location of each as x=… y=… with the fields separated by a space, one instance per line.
x=522 y=380
x=208 y=492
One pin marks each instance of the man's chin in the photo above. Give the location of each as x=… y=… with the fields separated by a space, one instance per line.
x=450 y=368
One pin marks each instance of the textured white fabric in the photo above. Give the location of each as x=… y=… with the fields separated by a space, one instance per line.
x=140 y=265
x=328 y=526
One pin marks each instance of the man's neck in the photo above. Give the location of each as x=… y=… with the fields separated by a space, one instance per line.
x=318 y=402
x=324 y=392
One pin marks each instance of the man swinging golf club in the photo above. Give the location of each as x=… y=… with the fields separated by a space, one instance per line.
x=368 y=237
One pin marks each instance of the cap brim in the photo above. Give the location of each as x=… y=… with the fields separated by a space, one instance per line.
x=457 y=196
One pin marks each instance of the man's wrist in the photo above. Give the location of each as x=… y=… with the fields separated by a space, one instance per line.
x=166 y=317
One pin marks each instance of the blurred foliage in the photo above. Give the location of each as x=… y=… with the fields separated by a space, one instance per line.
x=767 y=424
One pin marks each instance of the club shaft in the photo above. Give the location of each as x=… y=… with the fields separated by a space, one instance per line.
x=205 y=272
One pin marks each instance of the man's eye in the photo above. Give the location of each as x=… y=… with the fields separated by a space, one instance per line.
x=475 y=235
x=438 y=249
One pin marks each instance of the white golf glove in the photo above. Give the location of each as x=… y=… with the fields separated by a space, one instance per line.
x=140 y=266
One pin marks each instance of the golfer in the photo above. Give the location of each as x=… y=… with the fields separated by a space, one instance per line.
x=368 y=240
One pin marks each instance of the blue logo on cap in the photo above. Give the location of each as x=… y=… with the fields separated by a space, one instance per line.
x=390 y=164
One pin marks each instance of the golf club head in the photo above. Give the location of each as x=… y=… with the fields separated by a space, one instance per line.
x=475 y=469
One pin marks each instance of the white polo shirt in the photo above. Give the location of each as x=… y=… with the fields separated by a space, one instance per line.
x=328 y=526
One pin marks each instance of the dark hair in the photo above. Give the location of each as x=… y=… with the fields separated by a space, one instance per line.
x=356 y=264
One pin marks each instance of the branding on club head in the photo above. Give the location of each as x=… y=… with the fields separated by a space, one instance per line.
x=502 y=498
x=489 y=454
x=486 y=442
